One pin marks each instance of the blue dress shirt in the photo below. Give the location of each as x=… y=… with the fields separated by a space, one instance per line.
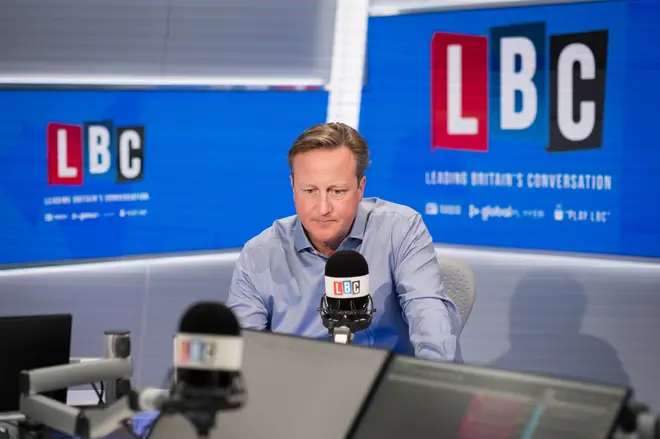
x=278 y=283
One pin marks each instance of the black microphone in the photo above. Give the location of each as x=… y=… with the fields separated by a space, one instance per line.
x=346 y=307
x=208 y=355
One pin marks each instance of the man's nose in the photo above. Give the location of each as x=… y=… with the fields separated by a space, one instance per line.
x=324 y=205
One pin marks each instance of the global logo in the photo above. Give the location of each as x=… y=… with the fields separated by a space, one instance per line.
x=488 y=212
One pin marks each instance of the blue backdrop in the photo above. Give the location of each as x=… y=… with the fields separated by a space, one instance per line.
x=504 y=197
x=215 y=172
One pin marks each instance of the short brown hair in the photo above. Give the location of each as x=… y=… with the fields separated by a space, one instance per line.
x=329 y=136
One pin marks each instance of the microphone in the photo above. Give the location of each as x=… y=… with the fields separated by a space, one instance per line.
x=346 y=307
x=208 y=356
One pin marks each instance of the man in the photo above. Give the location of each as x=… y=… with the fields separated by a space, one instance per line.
x=278 y=281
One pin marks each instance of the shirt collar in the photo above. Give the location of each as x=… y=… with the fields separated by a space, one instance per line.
x=357 y=231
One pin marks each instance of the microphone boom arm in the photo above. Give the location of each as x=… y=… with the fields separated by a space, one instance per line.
x=84 y=424
x=81 y=423
x=63 y=376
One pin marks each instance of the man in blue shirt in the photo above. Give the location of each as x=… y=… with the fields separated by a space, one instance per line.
x=278 y=281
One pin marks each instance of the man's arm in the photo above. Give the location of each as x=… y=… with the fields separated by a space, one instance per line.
x=432 y=317
x=244 y=300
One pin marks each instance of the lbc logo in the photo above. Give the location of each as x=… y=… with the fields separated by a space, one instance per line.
x=346 y=287
x=466 y=103
x=94 y=149
x=196 y=351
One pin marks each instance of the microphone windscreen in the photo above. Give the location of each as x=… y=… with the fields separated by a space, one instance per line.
x=209 y=318
x=208 y=349
x=347 y=281
x=346 y=263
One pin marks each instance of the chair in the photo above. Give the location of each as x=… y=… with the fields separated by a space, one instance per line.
x=459 y=285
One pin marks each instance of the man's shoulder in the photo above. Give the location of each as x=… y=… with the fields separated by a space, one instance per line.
x=274 y=237
x=387 y=211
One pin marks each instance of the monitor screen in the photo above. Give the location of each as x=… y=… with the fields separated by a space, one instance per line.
x=31 y=342
x=422 y=399
x=297 y=388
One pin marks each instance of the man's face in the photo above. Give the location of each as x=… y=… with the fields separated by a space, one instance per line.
x=326 y=194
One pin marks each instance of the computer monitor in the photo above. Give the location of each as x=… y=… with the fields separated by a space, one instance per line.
x=31 y=342
x=297 y=388
x=424 y=399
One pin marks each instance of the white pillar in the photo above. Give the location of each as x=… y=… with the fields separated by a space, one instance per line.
x=347 y=68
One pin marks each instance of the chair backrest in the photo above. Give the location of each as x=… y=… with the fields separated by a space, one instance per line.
x=459 y=285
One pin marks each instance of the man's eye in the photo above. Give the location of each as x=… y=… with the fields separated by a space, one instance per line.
x=339 y=192
x=308 y=191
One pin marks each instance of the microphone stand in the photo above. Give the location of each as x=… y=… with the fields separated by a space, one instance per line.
x=84 y=424
x=342 y=335
x=341 y=328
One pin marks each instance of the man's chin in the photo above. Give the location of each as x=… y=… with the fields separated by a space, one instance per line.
x=325 y=235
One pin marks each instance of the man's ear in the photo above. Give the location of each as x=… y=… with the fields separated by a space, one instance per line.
x=361 y=185
x=291 y=180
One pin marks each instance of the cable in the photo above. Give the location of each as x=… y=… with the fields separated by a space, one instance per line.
x=99 y=393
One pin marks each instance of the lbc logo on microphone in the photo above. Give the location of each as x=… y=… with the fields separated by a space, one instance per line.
x=506 y=100
x=94 y=150
x=196 y=351
x=346 y=287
